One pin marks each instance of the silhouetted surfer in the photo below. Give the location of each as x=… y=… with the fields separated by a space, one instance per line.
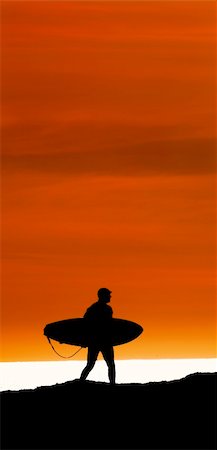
x=99 y=316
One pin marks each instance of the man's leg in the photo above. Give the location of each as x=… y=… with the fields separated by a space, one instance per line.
x=91 y=359
x=108 y=355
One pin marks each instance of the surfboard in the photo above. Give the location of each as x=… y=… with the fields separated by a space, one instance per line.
x=83 y=332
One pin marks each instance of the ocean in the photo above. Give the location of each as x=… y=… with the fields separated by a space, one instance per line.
x=30 y=375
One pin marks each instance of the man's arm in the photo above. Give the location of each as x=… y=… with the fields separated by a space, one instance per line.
x=110 y=311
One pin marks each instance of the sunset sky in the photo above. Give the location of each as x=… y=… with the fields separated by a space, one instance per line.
x=108 y=148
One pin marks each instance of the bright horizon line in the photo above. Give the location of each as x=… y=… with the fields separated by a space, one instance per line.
x=30 y=375
x=116 y=359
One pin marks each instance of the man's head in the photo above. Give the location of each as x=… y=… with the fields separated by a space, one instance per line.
x=104 y=295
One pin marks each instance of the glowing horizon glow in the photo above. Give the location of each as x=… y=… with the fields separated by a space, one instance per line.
x=30 y=375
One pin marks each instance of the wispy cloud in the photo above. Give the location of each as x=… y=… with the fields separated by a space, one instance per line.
x=168 y=158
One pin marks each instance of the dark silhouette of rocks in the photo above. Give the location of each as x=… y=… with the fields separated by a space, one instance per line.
x=87 y=415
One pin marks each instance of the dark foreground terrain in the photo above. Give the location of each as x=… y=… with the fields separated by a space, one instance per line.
x=169 y=415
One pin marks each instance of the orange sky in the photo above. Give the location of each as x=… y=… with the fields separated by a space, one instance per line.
x=108 y=172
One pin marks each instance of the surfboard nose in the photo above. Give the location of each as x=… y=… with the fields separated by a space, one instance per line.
x=46 y=330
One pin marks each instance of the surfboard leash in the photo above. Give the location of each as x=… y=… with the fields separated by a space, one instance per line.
x=66 y=357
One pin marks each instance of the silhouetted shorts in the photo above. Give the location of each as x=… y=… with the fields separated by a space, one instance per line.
x=106 y=350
